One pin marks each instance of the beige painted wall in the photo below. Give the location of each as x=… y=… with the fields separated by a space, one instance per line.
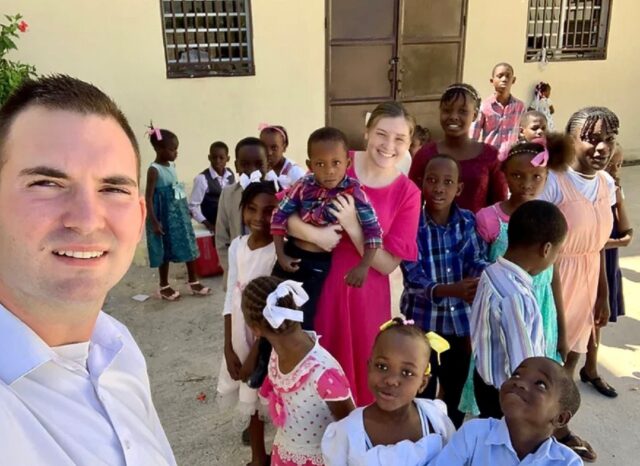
x=117 y=45
x=496 y=31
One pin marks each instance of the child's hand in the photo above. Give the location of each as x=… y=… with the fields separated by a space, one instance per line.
x=343 y=208
x=249 y=365
x=233 y=362
x=466 y=288
x=357 y=276
x=210 y=226
x=288 y=264
x=157 y=228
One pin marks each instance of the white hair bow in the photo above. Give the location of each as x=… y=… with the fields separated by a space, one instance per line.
x=283 y=180
x=275 y=314
x=255 y=177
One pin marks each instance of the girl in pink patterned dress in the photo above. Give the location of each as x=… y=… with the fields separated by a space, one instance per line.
x=305 y=387
x=349 y=318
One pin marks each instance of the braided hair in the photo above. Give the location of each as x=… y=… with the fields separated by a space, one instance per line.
x=254 y=300
x=463 y=91
x=559 y=146
x=398 y=325
x=588 y=117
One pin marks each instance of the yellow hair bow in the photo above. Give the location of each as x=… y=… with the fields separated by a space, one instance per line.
x=436 y=342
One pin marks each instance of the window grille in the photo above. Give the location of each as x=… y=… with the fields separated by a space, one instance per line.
x=207 y=38
x=559 y=30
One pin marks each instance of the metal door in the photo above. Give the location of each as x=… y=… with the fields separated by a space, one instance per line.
x=378 y=50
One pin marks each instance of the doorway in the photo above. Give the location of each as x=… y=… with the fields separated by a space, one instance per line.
x=379 y=50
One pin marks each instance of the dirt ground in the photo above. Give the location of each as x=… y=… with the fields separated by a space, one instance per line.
x=182 y=342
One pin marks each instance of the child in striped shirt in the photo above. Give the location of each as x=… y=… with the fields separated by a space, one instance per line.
x=506 y=324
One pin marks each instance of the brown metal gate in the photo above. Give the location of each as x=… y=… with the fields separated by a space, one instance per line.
x=378 y=50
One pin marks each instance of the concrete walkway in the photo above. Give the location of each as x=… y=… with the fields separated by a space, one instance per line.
x=183 y=345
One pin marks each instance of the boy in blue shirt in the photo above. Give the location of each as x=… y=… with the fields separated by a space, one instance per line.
x=537 y=399
x=441 y=284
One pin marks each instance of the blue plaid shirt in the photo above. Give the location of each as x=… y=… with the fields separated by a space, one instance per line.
x=446 y=254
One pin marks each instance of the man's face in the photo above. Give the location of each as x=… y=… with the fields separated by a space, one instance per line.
x=70 y=210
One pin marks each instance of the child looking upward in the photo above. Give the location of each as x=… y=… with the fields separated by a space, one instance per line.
x=537 y=399
x=312 y=198
x=208 y=185
x=441 y=284
x=500 y=113
x=506 y=324
x=397 y=428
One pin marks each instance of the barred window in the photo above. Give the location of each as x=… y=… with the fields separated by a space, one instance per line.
x=207 y=38
x=560 y=30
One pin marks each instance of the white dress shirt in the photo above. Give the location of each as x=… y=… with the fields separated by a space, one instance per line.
x=200 y=188
x=81 y=404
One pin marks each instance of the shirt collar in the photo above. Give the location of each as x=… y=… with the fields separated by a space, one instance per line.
x=454 y=217
x=23 y=351
x=215 y=175
x=499 y=435
x=516 y=270
x=493 y=99
x=345 y=183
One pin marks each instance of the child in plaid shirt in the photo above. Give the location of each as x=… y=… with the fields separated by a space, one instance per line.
x=441 y=284
x=312 y=198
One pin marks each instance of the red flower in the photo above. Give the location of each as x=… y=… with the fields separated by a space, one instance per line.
x=23 y=26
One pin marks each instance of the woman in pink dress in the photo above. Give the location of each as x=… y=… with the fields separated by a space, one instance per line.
x=349 y=318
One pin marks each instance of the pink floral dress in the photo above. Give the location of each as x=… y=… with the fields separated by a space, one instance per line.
x=298 y=405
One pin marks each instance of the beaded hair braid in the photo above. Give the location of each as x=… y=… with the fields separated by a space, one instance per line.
x=254 y=299
x=456 y=90
x=588 y=117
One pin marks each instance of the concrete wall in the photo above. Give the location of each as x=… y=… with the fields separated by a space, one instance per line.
x=496 y=31
x=117 y=45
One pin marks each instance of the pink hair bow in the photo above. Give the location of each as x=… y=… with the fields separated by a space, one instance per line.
x=541 y=159
x=263 y=126
x=155 y=131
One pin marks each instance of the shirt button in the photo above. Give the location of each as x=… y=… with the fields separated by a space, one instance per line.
x=446 y=250
x=127 y=444
x=448 y=270
x=453 y=308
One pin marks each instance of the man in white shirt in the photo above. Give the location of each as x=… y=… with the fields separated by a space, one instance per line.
x=74 y=388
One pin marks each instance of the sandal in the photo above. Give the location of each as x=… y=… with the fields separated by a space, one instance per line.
x=599 y=384
x=199 y=290
x=581 y=447
x=169 y=297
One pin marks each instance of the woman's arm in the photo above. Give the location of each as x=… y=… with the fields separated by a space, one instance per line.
x=325 y=238
x=345 y=211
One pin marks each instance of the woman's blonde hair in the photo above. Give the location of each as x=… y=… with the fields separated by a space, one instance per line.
x=391 y=109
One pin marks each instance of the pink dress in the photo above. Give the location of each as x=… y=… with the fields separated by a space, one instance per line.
x=579 y=261
x=349 y=318
x=298 y=405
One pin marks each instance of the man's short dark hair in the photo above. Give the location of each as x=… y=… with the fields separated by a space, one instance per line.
x=329 y=134
x=62 y=92
x=536 y=222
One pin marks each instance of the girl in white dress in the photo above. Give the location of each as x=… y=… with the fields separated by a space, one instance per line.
x=397 y=428
x=305 y=387
x=250 y=256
